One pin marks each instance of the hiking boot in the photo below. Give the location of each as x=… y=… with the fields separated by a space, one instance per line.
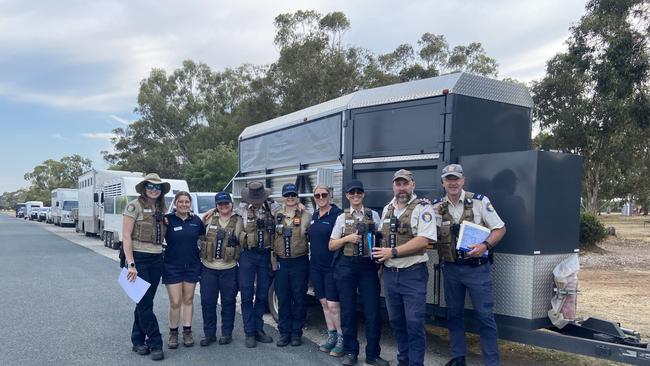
x=349 y=360
x=262 y=337
x=157 y=354
x=206 y=341
x=142 y=350
x=330 y=343
x=225 y=340
x=377 y=362
x=250 y=341
x=173 y=339
x=283 y=341
x=188 y=341
x=337 y=351
x=296 y=341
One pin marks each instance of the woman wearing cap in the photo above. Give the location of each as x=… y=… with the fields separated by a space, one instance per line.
x=182 y=267
x=320 y=267
x=292 y=274
x=219 y=255
x=144 y=230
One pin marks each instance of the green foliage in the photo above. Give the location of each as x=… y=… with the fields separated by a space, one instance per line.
x=189 y=119
x=593 y=100
x=592 y=231
x=53 y=174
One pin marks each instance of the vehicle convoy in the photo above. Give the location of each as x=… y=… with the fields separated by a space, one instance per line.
x=20 y=209
x=116 y=194
x=43 y=212
x=422 y=126
x=91 y=209
x=31 y=209
x=63 y=201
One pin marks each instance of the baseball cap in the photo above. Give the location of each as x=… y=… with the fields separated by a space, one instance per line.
x=222 y=197
x=452 y=169
x=354 y=184
x=403 y=174
x=289 y=188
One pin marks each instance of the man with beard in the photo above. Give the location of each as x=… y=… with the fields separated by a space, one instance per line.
x=408 y=227
x=467 y=271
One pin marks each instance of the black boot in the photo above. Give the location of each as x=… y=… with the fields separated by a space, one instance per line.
x=458 y=361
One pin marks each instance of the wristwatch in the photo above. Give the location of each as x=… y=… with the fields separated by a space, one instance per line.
x=487 y=244
x=394 y=252
x=132 y=265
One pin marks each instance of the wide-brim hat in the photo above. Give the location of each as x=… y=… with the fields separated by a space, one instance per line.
x=255 y=193
x=155 y=179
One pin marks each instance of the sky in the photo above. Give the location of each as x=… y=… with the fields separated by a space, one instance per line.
x=70 y=69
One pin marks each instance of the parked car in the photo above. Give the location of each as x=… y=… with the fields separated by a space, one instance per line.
x=43 y=212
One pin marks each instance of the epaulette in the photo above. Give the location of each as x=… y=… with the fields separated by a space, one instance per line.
x=437 y=200
x=478 y=196
x=424 y=201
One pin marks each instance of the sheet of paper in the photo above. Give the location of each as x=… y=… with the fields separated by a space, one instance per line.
x=135 y=290
x=471 y=233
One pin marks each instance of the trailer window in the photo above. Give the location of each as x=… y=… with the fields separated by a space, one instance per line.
x=204 y=203
x=109 y=205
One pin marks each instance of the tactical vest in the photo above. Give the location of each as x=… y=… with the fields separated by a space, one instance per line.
x=364 y=226
x=398 y=231
x=289 y=240
x=221 y=243
x=151 y=228
x=447 y=237
x=259 y=232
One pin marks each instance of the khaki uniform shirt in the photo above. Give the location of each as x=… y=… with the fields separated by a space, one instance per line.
x=484 y=213
x=219 y=264
x=134 y=210
x=422 y=224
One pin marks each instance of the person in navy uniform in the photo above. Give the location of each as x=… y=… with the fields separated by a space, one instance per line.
x=467 y=271
x=320 y=267
x=182 y=268
x=408 y=227
x=356 y=272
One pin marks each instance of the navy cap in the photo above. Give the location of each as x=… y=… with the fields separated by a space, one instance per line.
x=289 y=188
x=222 y=197
x=354 y=184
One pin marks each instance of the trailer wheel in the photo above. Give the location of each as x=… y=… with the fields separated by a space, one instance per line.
x=273 y=302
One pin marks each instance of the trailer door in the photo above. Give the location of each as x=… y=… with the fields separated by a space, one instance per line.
x=389 y=137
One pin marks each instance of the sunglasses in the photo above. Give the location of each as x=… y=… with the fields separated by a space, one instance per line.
x=290 y=195
x=321 y=195
x=151 y=186
x=355 y=192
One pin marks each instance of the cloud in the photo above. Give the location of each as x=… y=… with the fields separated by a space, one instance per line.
x=123 y=121
x=58 y=136
x=107 y=136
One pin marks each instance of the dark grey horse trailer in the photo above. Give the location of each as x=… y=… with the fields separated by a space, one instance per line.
x=481 y=123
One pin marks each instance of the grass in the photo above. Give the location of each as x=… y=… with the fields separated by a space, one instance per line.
x=628 y=227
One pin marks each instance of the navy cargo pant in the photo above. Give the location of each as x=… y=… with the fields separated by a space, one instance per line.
x=350 y=274
x=254 y=280
x=477 y=280
x=291 y=281
x=215 y=283
x=406 y=294
x=145 y=325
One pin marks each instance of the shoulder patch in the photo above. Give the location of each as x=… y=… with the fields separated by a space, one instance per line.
x=426 y=216
x=478 y=196
x=489 y=207
x=130 y=207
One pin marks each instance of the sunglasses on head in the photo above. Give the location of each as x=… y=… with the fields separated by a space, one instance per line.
x=321 y=195
x=356 y=192
x=290 y=195
x=151 y=186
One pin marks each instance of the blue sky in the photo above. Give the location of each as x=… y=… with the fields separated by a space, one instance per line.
x=70 y=69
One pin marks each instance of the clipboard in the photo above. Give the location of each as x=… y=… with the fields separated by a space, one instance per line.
x=470 y=234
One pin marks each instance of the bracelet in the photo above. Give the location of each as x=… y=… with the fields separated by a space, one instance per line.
x=487 y=244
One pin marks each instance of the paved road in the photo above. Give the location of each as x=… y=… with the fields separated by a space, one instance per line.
x=61 y=305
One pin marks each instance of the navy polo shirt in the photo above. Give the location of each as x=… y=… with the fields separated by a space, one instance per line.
x=319 y=238
x=182 y=239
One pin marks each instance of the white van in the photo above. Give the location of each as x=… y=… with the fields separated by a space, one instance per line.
x=31 y=209
x=63 y=201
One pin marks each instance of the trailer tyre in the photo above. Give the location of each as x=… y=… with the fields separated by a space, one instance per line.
x=273 y=302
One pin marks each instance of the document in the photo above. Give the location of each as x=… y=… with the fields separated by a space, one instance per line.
x=471 y=233
x=135 y=290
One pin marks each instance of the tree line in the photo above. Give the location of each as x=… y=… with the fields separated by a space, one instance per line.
x=593 y=100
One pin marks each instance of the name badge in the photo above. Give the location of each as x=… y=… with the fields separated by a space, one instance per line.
x=178 y=228
x=349 y=221
x=147 y=210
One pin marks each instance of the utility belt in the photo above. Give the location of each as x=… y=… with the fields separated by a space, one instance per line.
x=257 y=250
x=463 y=259
x=406 y=269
